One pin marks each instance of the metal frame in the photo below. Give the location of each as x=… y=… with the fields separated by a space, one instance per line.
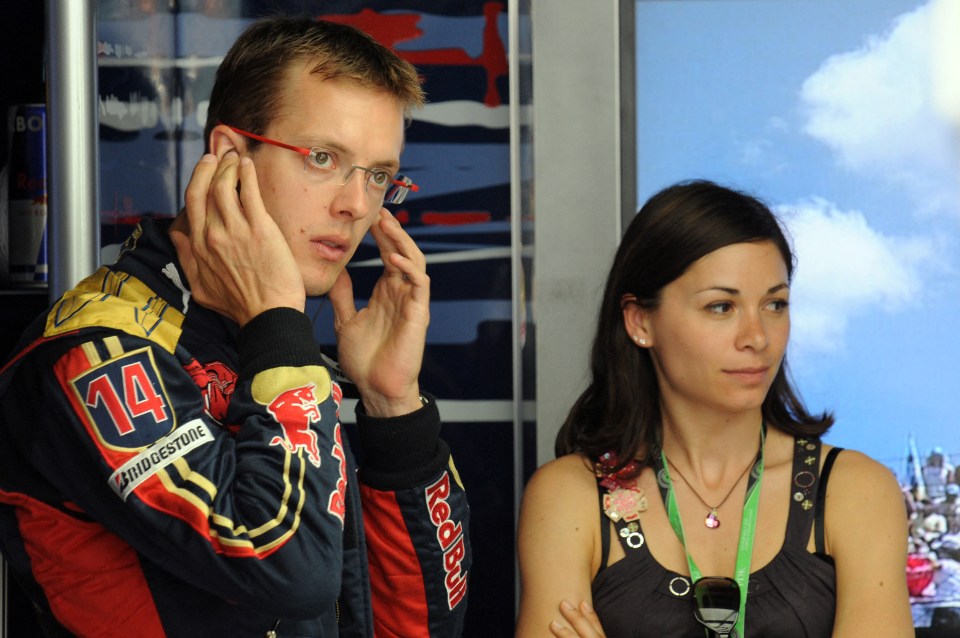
x=72 y=142
x=585 y=184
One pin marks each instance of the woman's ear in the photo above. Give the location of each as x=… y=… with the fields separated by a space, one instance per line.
x=635 y=321
x=223 y=139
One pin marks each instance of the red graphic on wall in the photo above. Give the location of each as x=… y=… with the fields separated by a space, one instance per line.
x=390 y=30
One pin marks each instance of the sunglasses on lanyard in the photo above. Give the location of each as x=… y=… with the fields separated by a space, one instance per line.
x=718 y=605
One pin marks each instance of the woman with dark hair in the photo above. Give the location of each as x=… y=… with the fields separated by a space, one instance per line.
x=690 y=492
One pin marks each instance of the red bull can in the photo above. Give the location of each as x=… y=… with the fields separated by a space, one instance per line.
x=27 y=210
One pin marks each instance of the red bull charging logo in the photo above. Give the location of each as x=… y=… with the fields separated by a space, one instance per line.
x=296 y=410
x=292 y=396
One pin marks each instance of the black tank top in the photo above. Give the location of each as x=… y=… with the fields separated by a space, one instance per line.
x=793 y=596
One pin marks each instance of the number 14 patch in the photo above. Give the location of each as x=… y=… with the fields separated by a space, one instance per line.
x=126 y=400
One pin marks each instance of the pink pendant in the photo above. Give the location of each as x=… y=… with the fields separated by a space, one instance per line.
x=712 y=521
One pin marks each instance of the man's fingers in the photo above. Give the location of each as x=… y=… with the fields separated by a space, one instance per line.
x=412 y=274
x=251 y=203
x=399 y=240
x=224 y=191
x=400 y=254
x=195 y=195
x=385 y=244
x=341 y=298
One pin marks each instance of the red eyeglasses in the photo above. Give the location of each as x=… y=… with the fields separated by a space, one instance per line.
x=321 y=164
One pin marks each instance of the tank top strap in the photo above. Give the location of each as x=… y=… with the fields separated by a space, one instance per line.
x=819 y=529
x=604 y=532
x=805 y=477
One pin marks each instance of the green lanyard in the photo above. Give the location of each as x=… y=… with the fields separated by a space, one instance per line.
x=748 y=526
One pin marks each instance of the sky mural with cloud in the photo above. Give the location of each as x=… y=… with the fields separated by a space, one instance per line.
x=825 y=111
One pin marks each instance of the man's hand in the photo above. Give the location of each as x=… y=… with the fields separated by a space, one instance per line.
x=235 y=258
x=381 y=347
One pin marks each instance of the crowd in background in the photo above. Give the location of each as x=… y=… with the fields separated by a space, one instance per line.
x=932 y=498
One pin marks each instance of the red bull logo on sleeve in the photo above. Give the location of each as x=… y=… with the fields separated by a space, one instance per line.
x=296 y=410
x=293 y=395
x=337 y=503
x=450 y=537
x=337 y=396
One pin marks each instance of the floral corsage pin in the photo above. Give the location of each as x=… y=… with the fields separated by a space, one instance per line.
x=623 y=500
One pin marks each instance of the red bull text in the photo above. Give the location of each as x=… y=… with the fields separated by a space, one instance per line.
x=27 y=213
x=450 y=538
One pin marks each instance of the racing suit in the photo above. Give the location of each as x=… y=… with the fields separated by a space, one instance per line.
x=164 y=472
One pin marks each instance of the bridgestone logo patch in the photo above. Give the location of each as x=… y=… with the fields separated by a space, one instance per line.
x=165 y=451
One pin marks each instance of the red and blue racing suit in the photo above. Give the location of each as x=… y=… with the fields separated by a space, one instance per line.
x=165 y=473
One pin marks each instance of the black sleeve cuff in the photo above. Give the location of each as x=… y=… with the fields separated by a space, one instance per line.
x=402 y=451
x=277 y=337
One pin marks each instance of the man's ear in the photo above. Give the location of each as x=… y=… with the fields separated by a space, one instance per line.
x=636 y=321
x=223 y=140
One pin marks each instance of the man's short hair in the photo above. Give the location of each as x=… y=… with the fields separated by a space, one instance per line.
x=249 y=88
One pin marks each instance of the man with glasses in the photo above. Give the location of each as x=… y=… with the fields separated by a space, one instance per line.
x=175 y=463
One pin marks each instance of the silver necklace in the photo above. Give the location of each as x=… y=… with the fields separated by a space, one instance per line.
x=711 y=521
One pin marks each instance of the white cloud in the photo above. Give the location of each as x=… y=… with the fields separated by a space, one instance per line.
x=844 y=267
x=874 y=108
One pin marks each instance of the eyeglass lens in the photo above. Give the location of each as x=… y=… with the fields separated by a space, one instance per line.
x=398 y=189
x=393 y=192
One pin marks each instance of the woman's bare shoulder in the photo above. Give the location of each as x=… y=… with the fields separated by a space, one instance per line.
x=855 y=471
x=863 y=495
x=569 y=473
x=574 y=466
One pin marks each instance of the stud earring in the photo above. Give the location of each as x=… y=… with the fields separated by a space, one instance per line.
x=639 y=341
